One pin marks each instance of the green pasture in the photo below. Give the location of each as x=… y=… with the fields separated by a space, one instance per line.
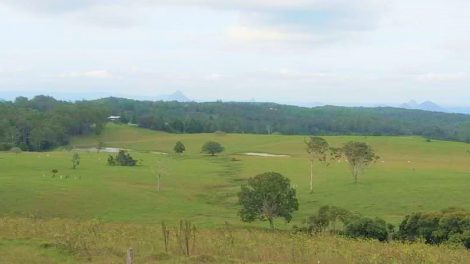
x=412 y=175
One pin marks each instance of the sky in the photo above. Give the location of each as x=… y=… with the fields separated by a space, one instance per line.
x=346 y=52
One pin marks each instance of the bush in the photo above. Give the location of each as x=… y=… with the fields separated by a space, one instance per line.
x=367 y=228
x=448 y=226
x=179 y=147
x=123 y=158
x=328 y=218
x=111 y=161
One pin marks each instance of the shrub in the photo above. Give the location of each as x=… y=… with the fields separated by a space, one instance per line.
x=179 y=147
x=123 y=158
x=447 y=226
x=328 y=217
x=367 y=228
x=111 y=161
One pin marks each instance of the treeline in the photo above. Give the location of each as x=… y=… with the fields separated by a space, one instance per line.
x=43 y=123
x=267 y=118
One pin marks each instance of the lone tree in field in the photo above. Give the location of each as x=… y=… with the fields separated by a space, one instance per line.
x=179 y=147
x=318 y=150
x=359 y=156
x=75 y=160
x=266 y=197
x=212 y=148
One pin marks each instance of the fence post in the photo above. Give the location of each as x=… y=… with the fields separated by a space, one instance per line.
x=130 y=256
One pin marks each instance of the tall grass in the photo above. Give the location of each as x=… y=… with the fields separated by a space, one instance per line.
x=97 y=242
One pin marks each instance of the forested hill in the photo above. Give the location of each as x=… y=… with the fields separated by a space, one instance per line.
x=43 y=123
x=264 y=118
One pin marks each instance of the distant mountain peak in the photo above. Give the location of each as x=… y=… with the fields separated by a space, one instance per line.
x=426 y=105
x=177 y=96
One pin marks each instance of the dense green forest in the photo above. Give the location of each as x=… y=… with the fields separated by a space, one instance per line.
x=266 y=118
x=43 y=123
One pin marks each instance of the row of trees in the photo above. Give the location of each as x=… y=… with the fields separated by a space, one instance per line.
x=359 y=155
x=268 y=118
x=43 y=123
x=210 y=147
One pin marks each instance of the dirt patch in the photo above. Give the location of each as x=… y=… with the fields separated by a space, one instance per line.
x=266 y=155
x=105 y=150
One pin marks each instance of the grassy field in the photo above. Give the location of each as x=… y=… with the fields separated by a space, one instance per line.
x=68 y=241
x=412 y=175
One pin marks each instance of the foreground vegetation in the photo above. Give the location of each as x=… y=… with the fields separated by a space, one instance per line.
x=29 y=240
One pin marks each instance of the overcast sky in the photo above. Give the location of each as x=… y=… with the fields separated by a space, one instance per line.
x=330 y=51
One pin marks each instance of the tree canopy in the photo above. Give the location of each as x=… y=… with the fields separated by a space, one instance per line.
x=268 y=118
x=179 y=147
x=43 y=123
x=318 y=149
x=212 y=148
x=267 y=196
x=359 y=156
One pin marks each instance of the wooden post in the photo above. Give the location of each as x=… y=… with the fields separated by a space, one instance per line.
x=130 y=256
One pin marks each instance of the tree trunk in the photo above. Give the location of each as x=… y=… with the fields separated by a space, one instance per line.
x=271 y=223
x=311 y=176
x=355 y=176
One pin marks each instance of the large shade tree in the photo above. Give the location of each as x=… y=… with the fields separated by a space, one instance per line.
x=267 y=196
x=212 y=148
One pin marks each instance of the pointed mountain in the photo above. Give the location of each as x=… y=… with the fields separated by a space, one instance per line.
x=177 y=96
x=426 y=106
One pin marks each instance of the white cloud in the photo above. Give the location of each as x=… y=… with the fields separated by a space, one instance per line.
x=441 y=77
x=247 y=34
x=343 y=50
x=214 y=77
x=101 y=74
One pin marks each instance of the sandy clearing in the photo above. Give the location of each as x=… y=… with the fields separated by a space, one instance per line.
x=265 y=155
x=105 y=150
x=159 y=153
